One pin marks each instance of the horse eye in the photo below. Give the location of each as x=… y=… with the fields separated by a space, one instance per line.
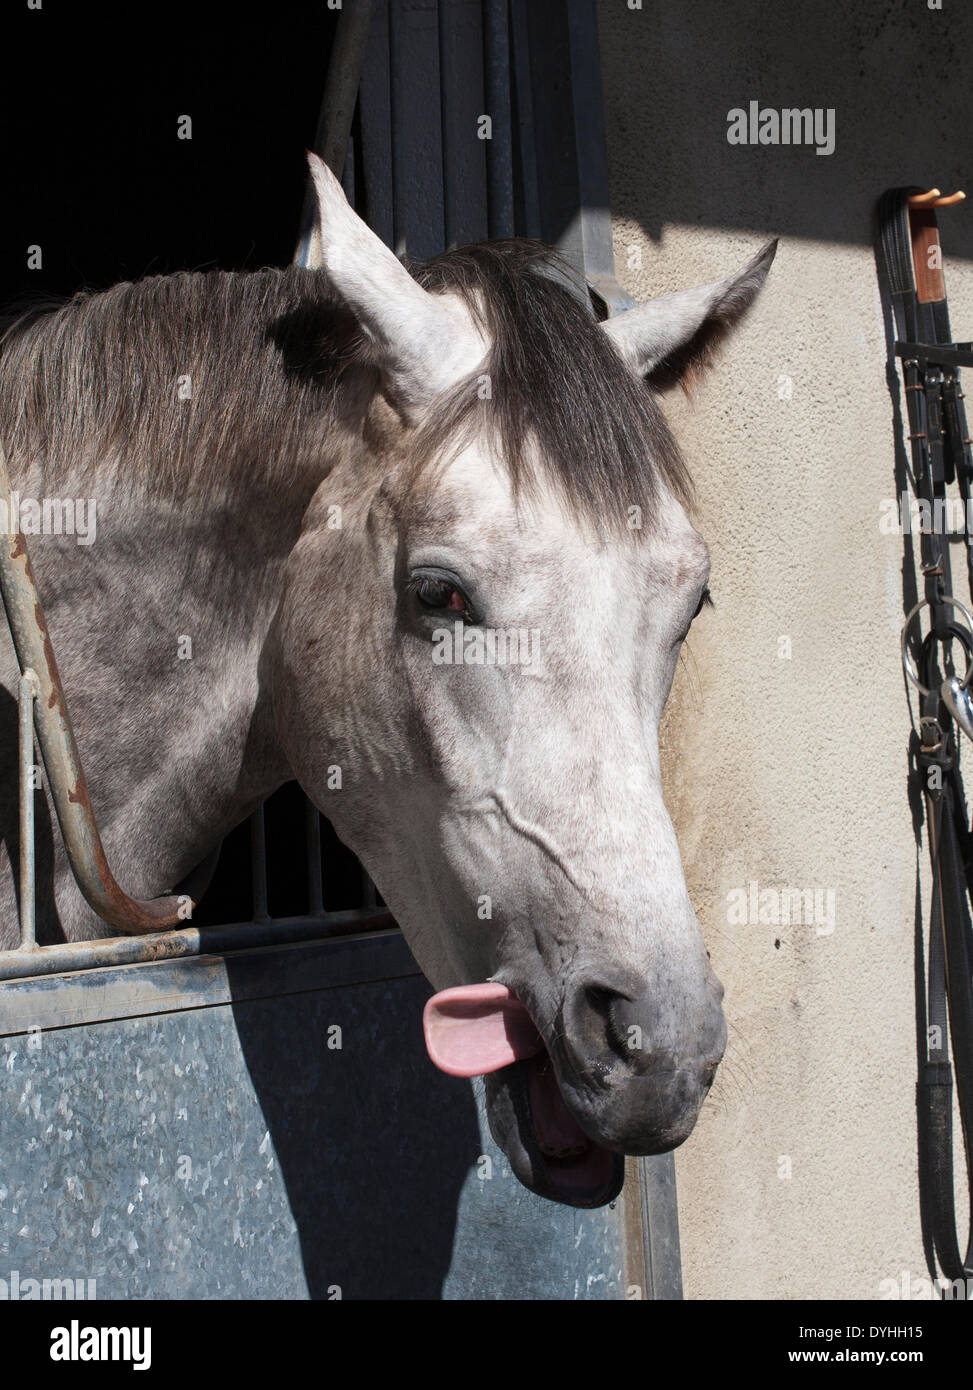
x=439 y=595
x=705 y=600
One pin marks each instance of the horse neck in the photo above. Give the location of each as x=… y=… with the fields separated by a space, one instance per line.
x=159 y=628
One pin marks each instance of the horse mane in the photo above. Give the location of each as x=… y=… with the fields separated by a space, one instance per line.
x=95 y=382
x=178 y=379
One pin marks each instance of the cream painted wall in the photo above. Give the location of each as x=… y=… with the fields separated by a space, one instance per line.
x=790 y=771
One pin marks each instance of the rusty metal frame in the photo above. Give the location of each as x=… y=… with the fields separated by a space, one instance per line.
x=189 y=941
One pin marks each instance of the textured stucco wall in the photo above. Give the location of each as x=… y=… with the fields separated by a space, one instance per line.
x=791 y=772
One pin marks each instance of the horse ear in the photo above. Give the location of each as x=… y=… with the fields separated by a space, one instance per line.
x=672 y=339
x=424 y=343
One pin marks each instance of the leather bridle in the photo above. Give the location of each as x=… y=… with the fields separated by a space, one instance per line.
x=910 y=266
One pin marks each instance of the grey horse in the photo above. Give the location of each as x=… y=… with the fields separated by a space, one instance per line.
x=421 y=541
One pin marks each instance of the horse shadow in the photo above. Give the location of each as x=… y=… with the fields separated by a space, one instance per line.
x=374 y=1143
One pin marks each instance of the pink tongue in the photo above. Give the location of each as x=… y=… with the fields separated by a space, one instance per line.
x=476 y=1029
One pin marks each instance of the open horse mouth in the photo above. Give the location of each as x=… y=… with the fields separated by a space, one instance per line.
x=484 y=1030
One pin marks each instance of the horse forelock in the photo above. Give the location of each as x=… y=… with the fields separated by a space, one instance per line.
x=554 y=400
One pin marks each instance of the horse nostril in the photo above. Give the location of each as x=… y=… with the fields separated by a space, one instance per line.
x=621 y=1021
x=609 y=1017
x=600 y=998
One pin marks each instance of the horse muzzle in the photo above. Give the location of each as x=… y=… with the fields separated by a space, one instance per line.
x=607 y=1085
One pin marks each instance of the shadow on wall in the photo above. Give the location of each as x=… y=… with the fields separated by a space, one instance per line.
x=892 y=74
x=373 y=1142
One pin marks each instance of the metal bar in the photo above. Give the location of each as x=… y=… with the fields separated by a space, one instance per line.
x=660 y=1227
x=258 y=866
x=953 y=355
x=337 y=111
x=158 y=987
x=188 y=941
x=417 y=163
x=376 y=128
x=594 y=199
x=65 y=776
x=530 y=205
x=543 y=31
x=25 y=725
x=464 y=149
x=315 y=881
x=348 y=174
x=499 y=148
x=589 y=134
x=398 y=117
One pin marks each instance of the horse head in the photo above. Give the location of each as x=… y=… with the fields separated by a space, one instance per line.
x=479 y=630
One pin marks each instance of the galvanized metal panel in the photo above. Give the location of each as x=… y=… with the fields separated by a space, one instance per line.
x=199 y=982
x=228 y=1152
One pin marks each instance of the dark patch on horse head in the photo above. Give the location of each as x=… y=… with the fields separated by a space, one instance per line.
x=316 y=346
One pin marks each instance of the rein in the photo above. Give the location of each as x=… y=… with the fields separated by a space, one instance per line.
x=910 y=257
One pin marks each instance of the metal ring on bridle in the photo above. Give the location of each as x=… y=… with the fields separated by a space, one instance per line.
x=910 y=669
